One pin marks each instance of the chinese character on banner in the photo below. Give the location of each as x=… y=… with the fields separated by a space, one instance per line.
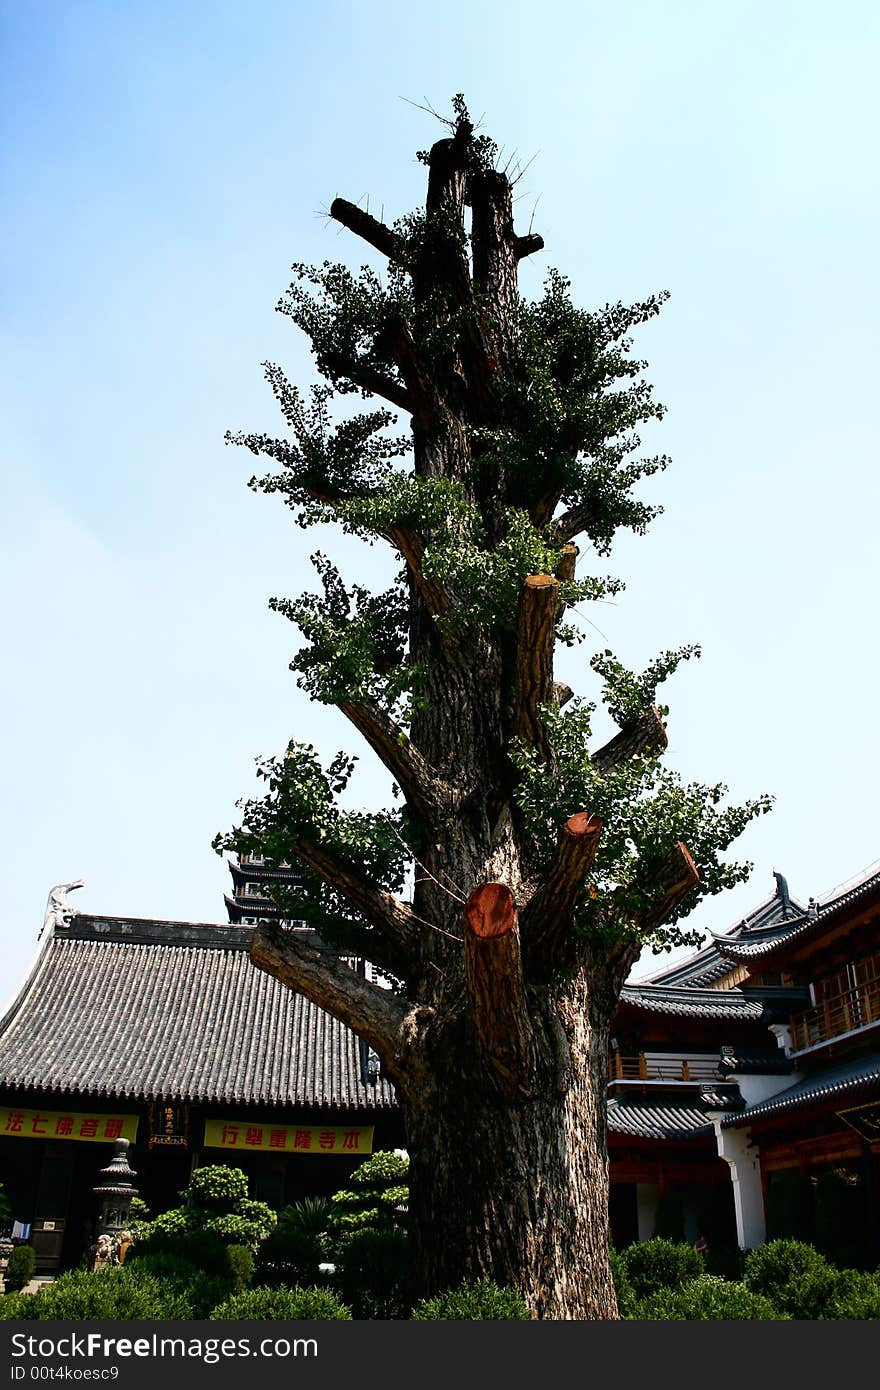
x=64 y=1124
x=277 y=1138
x=327 y=1139
x=302 y=1139
x=229 y=1135
x=351 y=1139
x=253 y=1136
x=88 y=1128
x=112 y=1129
x=38 y=1124
x=14 y=1122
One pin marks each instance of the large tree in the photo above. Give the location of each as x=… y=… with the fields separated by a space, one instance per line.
x=538 y=869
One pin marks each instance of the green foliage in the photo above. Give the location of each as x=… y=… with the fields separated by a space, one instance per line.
x=372 y=1272
x=240 y=1262
x=801 y=1283
x=626 y=695
x=15 y=1306
x=384 y=1169
x=218 y=1213
x=372 y=1201
x=301 y=805
x=118 y=1294
x=708 y=1298
x=646 y=810
x=626 y=1298
x=292 y=1305
x=199 y=1283
x=20 y=1267
x=660 y=1264
x=479 y=1302
x=296 y=1247
x=777 y=1268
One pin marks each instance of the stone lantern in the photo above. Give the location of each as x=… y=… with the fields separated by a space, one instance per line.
x=114 y=1191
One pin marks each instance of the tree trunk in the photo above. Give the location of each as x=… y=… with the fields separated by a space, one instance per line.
x=516 y=1191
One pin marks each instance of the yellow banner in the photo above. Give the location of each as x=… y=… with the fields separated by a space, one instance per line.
x=91 y=1127
x=349 y=1141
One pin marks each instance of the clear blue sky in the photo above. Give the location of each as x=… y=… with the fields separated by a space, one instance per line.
x=162 y=166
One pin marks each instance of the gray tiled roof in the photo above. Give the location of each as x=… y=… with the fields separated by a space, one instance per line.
x=771 y=919
x=692 y=1003
x=148 y=1010
x=849 y=1076
x=815 y=919
x=657 y=1121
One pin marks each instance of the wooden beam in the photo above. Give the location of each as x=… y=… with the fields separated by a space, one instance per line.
x=493 y=974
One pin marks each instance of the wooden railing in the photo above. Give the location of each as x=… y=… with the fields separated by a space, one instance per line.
x=842 y=1013
x=654 y=1066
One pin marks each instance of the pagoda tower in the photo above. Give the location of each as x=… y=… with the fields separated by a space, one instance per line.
x=252 y=899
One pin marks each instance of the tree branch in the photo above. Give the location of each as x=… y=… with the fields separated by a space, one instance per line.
x=645 y=735
x=546 y=918
x=366 y=227
x=426 y=793
x=527 y=245
x=393 y=920
x=535 y=640
x=424 y=398
x=493 y=975
x=374 y=1014
x=372 y=380
x=412 y=548
x=573 y=522
x=668 y=886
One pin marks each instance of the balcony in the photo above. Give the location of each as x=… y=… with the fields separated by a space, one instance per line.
x=661 y=1066
x=836 y=1016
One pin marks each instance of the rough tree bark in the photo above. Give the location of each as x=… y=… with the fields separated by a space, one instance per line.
x=497 y=1042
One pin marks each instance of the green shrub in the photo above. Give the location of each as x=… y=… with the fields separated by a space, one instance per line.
x=20 y=1267
x=183 y=1278
x=296 y=1305
x=626 y=1299
x=377 y=1189
x=828 y=1293
x=856 y=1296
x=382 y=1169
x=216 y=1185
x=708 y=1298
x=776 y=1268
x=372 y=1273
x=217 y=1213
x=480 y=1302
x=15 y=1305
x=298 y=1244
x=240 y=1263
x=117 y=1294
x=660 y=1264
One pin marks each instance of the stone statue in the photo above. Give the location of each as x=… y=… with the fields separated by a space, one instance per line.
x=58 y=909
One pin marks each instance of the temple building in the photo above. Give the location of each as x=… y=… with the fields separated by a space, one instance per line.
x=744 y=1081
x=743 y=1089
x=164 y=1033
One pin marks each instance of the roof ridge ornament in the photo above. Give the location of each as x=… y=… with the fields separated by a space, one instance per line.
x=782 y=893
x=58 y=910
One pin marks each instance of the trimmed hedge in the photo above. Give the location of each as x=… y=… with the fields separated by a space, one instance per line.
x=20 y=1267
x=116 y=1294
x=297 y=1305
x=660 y=1264
x=480 y=1302
x=707 y=1299
x=372 y=1272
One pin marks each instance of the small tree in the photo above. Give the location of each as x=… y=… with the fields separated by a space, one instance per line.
x=217 y=1213
x=544 y=864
